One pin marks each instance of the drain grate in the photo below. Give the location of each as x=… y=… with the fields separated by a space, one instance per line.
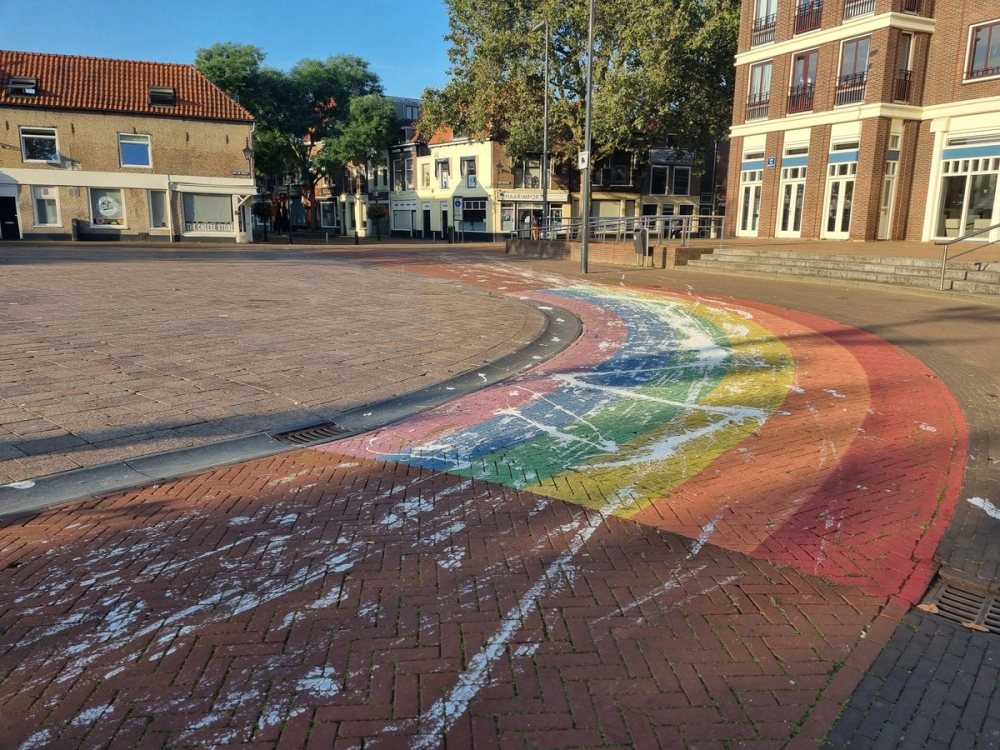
x=311 y=434
x=965 y=606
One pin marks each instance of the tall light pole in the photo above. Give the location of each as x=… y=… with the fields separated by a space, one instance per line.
x=585 y=172
x=545 y=132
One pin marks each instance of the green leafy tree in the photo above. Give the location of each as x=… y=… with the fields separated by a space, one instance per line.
x=662 y=69
x=362 y=139
x=295 y=110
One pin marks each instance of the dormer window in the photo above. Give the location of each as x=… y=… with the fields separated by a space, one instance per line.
x=162 y=96
x=22 y=86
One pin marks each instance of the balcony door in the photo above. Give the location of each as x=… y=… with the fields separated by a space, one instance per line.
x=853 y=71
x=800 y=96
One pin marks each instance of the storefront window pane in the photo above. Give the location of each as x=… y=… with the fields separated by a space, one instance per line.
x=157 y=209
x=952 y=200
x=982 y=193
x=207 y=213
x=107 y=207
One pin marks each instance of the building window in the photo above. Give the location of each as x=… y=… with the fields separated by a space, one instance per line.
x=853 y=71
x=682 y=181
x=759 y=97
x=968 y=196
x=402 y=174
x=408 y=173
x=800 y=95
x=328 y=215
x=468 y=167
x=425 y=175
x=39 y=144
x=984 y=51
x=528 y=173
x=158 y=209
x=621 y=169
x=107 y=208
x=162 y=96
x=808 y=16
x=443 y=169
x=903 y=84
x=134 y=150
x=658 y=180
x=22 y=86
x=412 y=113
x=765 y=21
x=474 y=215
x=46 y=200
x=208 y=213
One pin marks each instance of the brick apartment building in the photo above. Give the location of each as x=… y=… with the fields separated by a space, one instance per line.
x=119 y=149
x=866 y=119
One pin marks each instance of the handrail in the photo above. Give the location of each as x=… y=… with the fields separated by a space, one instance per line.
x=620 y=229
x=948 y=243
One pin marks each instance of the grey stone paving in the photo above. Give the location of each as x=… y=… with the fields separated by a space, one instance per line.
x=107 y=353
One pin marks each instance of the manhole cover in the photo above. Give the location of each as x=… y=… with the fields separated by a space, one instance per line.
x=311 y=434
x=964 y=605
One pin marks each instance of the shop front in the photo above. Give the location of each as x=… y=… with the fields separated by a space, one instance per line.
x=520 y=211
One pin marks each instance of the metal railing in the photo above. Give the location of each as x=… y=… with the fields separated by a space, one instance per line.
x=903 y=86
x=854 y=8
x=763 y=29
x=809 y=16
x=948 y=243
x=800 y=98
x=758 y=106
x=851 y=88
x=621 y=230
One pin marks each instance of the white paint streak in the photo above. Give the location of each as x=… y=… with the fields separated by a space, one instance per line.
x=706 y=533
x=986 y=506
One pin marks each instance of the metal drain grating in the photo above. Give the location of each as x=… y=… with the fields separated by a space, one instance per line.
x=966 y=606
x=311 y=434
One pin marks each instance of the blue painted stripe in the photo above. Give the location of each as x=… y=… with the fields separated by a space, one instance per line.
x=757 y=164
x=971 y=152
x=893 y=156
x=843 y=156
x=648 y=347
x=795 y=161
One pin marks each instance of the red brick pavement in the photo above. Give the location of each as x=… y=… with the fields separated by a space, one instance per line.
x=314 y=600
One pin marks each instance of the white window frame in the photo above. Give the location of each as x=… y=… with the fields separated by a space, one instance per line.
x=471 y=179
x=34 y=205
x=968 y=54
x=90 y=209
x=55 y=137
x=149 y=151
x=149 y=207
x=666 y=180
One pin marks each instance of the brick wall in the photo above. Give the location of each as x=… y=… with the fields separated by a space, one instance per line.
x=947 y=53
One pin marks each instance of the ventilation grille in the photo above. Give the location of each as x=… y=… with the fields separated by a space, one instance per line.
x=311 y=434
x=966 y=606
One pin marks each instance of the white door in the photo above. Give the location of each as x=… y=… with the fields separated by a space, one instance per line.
x=791 y=202
x=888 y=194
x=749 y=206
x=839 y=201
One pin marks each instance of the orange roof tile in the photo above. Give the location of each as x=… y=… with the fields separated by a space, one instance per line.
x=103 y=84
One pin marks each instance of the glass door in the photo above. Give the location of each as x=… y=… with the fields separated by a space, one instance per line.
x=839 y=201
x=888 y=193
x=749 y=208
x=792 y=202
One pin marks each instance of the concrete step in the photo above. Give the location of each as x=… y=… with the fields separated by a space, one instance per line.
x=974 y=288
x=822 y=261
x=891 y=279
x=850 y=258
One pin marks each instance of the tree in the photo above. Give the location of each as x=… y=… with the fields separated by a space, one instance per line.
x=663 y=69
x=294 y=110
x=364 y=137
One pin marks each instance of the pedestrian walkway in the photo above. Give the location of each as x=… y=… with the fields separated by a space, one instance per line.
x=550 y=562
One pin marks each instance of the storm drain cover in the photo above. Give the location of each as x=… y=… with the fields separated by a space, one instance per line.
x=311 y=434
x=974 y=609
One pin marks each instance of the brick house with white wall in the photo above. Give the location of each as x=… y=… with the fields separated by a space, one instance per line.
x=120 y=150
x=866 y=119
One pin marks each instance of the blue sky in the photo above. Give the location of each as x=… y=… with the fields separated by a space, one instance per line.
x=403 y=41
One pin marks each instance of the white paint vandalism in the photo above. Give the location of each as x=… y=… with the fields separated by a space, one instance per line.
x=90 y=715
x=37 y=740
x=26 y=484
x=441 y=716
x=926 y=427
x=834 y=393
x=675 y=582
x=321 y=682
x=706 y=533
x=986 y=506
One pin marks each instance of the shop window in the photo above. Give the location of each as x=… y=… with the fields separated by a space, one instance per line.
x=107 y=208
x=158 y=209
x=46 y=200
x=207 y=213
x=474 y=215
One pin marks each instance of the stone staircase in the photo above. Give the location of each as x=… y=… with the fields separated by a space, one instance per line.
x=967 y=277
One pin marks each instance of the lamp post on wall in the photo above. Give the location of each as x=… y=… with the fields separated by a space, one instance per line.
x=545 y=132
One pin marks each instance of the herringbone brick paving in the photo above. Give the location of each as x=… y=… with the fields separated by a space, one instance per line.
x=313 y=596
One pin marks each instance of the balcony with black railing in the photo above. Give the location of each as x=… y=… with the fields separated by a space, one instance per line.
x=851 y=89
x=903 y=86
x=763 y=29
x=800 y=98
x=758 y=106
x=809 y=16
x=911 y=6
x=853 y=8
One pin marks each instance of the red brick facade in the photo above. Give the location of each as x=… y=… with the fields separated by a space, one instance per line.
x=906 y=126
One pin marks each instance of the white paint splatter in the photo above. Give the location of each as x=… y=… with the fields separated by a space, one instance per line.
x=27 y=484
x=321 y=682
x=989 y=508
x=834 y=393
x=90 y=716
x=926 y=427
x=706 y=532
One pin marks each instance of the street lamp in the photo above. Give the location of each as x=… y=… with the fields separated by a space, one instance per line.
x=545 y=132
x=585 y=173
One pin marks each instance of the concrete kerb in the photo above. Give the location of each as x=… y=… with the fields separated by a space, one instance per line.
x=561 y=329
